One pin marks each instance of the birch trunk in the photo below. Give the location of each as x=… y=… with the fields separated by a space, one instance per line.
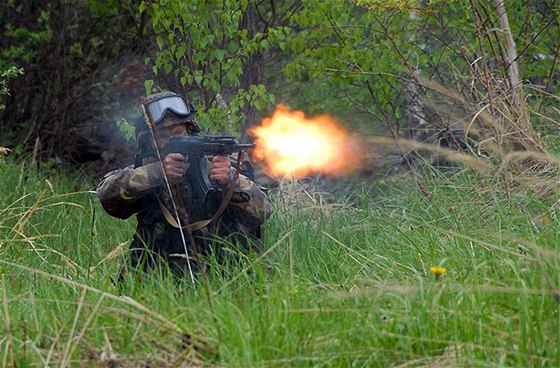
x=414 y=107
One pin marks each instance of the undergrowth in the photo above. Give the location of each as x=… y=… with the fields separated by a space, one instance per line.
x=343 y=283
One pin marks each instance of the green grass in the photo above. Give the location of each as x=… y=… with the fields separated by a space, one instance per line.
x=341 y=284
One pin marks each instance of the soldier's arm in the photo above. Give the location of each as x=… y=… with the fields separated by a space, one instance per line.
x=119 y=190
x=250 y=202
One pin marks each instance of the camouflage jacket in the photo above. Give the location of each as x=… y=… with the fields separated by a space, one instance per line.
x=142 y=191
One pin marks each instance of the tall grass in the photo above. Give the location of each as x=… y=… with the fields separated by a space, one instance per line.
x=346 y=283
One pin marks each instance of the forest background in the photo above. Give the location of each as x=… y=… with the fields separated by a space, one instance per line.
x=468 y=85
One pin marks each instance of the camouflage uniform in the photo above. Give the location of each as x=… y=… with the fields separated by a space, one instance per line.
x=140 y=189
x=137 y=190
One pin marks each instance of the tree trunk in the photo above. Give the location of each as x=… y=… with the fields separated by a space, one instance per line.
x=415 y=118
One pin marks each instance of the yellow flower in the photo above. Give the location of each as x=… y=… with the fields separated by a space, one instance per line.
x=438 y=271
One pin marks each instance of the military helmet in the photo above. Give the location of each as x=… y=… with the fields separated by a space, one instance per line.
x=168 y=109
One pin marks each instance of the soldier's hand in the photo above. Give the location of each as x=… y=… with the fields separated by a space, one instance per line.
x=175 y=166
x=220 y=169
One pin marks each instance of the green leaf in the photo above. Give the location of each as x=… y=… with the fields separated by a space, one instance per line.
x=148 y=85
x=159 y=41
x=126 y=129
x=181 y=51
x=219 y=54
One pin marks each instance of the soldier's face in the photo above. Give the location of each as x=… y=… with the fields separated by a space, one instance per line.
x=164 y=134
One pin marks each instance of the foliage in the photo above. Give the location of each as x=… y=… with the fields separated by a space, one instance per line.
x=349 y=47
x=23 y=40
x=64 y=48
x=127 y=129
x=382 y=57
x=359 y=59
x=209 y=47
x=5 y=76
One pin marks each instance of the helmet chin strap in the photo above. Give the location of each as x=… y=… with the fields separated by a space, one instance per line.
x=166 y=180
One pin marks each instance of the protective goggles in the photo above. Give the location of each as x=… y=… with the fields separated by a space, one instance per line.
x=174 y=103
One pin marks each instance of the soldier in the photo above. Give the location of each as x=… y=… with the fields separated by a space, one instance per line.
x=142 y=189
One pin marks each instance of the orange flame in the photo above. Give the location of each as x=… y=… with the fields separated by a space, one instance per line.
x=292 y=145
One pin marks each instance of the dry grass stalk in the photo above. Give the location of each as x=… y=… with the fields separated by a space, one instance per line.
x=463 y=158
x=453 y=356
x=8 y=359
x=505 y=137
x=112 y=254
x=86 y=325
x=30 y=212
x=377 y=289
x=66 y=356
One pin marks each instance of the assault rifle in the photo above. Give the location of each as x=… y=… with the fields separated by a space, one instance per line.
x=196 y=149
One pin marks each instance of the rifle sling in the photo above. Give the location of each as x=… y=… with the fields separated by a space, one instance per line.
x=204 y=223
